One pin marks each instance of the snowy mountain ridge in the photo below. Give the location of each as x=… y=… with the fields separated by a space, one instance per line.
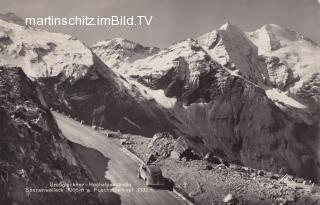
x=291 y=58
x=118 y=51
x=230 y=47
x=41 y=53
x=274 y=58
x=74 y=80
x=217 y=89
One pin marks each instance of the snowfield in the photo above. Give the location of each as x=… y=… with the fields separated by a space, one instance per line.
x=278 y=96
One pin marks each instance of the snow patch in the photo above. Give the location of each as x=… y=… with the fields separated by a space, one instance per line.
x=278 y=96
x=157 y=95
x=131 y=122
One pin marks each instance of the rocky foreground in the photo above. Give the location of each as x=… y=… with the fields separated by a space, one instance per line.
x=211 y=180
x=33 y=152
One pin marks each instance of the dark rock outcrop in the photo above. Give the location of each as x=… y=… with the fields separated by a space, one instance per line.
x=310 y=92
x=160 y=147
x=33 y=152
x=164 y=145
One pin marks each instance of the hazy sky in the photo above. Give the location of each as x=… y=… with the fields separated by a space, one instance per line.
x=174 y=20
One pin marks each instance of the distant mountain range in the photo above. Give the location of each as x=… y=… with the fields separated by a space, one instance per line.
x=250 y=97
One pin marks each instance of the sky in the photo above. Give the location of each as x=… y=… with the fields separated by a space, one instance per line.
x=173 y=20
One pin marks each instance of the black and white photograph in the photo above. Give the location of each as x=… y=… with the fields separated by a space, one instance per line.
x=159 y=102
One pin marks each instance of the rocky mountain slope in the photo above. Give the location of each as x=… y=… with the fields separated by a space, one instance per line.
x=230 y=47
x=33 y=150
x=291 y=60
x=211 y=180
x=220 y=88
x=74 y=80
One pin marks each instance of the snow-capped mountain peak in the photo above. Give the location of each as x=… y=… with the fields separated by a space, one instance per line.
x=291 y=58
x=271 y=57
x=117 y=41
x=215 y=88
x=229 y=26
x=118 y=51
x=41 y=53
x=271 y=37
x=166 y=59
x=231 y=47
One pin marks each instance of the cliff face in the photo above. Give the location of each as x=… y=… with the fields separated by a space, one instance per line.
x=33 y=152
x=234 y=107
x=105 y=99
x=239 y=122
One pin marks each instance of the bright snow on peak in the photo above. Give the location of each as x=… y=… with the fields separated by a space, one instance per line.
x=41 y=53
x=292 y=58
x=230 y=47
x=116 y=41
x=163 y=61
x=118 y=51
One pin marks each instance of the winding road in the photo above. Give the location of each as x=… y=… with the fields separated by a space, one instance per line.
x=104 y=158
